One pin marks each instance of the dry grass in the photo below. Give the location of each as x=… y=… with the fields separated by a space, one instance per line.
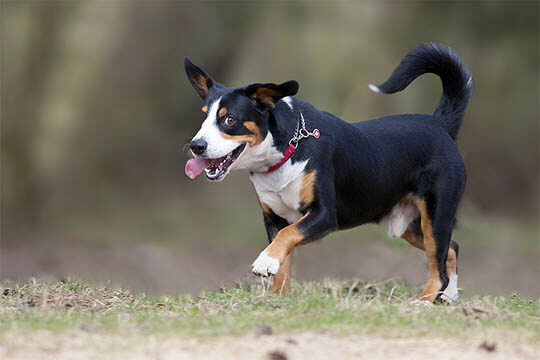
x=329 y=310
x=345 y=305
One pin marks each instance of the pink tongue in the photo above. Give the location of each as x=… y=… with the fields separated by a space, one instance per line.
x=196 y=166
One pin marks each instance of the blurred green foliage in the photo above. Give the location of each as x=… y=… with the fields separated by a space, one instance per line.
x=95 y=103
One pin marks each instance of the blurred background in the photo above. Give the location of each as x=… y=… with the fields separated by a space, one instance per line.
x=96 y=112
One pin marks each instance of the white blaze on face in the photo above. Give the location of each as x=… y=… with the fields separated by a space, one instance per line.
x=218 y=146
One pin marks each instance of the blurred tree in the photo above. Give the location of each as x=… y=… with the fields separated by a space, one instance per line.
x=22 y=106
x=96 y=107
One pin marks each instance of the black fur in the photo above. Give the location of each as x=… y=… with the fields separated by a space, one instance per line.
x=456 y=80
x=365 y=168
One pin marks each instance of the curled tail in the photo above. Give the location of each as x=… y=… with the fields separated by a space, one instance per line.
x=456 y=81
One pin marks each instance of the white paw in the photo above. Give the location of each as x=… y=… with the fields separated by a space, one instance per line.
x=422 y=303
x=451 y=294
x=265 y=265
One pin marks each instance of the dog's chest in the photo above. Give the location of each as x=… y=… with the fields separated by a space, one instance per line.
x=280 y=190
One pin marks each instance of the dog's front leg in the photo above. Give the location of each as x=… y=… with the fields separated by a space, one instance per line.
x=282 y=280
x=274 y=223
x=316 y=223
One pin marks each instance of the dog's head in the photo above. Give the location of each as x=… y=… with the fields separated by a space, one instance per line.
x=235 y=131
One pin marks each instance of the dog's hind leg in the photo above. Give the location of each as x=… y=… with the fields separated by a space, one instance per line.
x=415 y=237
x=437 y=217
x=434 y=253
x=451 y=294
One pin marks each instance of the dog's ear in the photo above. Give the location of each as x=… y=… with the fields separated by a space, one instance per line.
x=198 y=78
x=269 y=94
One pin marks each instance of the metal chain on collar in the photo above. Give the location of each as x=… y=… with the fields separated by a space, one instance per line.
x=302 y=132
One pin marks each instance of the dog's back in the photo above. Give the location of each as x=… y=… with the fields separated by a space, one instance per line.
x=377 y=162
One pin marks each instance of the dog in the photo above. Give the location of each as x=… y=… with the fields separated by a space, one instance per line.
x=315 y=173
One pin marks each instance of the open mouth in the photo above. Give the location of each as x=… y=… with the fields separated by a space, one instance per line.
x=215 y=169
x=219 y=167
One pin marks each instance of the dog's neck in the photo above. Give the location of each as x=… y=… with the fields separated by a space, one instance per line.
x=282 y=131
x=259 y=158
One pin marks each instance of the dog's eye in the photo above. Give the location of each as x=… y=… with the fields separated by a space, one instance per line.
x=229 y=120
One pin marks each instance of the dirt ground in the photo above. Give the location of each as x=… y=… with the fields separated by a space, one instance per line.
x=81 y=344
x=152 y=268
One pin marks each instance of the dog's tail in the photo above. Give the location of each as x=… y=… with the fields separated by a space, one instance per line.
x=456 y=81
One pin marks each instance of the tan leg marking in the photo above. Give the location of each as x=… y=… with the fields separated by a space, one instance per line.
x=434 y=283
x=285 y=241
x=413 y=239
x=417 y=242
x=451 y=262
x=204 y=109
x=282 y=280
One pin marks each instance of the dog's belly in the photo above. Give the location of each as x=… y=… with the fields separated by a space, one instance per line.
x=402 y=214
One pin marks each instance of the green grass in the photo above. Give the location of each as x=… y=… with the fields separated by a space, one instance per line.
x=339 y=307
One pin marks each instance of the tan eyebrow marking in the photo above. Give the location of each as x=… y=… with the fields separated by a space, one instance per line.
x=204 y=109
x=222 y=112
x=252 y=139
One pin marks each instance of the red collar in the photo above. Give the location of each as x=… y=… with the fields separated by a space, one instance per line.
x=286 y=155
x=300 y=133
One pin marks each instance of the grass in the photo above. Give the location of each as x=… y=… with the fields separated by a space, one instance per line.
x=339 y=307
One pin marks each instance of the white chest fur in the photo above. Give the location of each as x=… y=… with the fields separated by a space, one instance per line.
x=280 y=189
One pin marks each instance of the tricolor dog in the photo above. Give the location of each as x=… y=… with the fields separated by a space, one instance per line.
x=315 y=173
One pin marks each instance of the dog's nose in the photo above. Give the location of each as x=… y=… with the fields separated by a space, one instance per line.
x=198 y=146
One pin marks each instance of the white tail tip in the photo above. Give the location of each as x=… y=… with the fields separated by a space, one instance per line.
x=374 y=88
